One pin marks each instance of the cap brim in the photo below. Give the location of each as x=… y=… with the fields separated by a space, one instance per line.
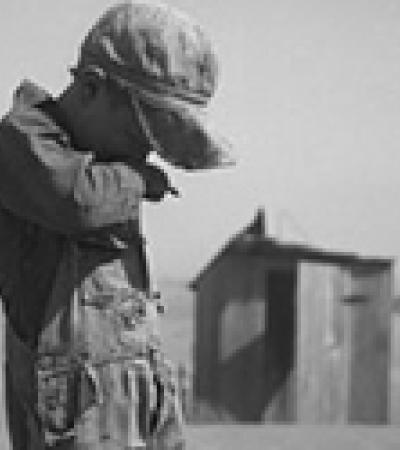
x=187 y=140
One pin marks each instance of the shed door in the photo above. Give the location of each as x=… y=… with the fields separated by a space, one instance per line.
x=280 y=343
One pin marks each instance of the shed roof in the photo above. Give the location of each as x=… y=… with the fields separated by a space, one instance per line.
x=252 y=241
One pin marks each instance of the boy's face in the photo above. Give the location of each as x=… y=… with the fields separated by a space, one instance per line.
x=108 y=126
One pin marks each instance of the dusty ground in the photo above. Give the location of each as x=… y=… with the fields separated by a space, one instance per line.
x=292 y=438
x=283 y=438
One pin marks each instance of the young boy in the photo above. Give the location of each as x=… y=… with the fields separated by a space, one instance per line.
x=73 y=273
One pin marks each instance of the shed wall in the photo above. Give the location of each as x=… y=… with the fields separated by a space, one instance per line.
x=343 y=344
x=370 y=346
x=241 y=329
x=4 y=435
x=281 y=281
x=395 y=371
x=245 y=357
x=322 y=345
x=230 y=339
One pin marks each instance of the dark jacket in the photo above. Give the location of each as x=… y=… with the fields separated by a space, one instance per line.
x=69 y=226
x=51 y=197
x=70 y=238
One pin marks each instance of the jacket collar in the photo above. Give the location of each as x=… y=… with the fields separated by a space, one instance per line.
x=26 y=114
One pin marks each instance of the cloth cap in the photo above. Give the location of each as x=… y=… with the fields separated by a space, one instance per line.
x=166 y=63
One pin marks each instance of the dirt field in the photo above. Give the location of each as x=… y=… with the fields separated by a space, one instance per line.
x=292 y=438
x=283 y=438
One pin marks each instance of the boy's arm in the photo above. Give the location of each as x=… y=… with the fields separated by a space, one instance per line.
x=48 y=183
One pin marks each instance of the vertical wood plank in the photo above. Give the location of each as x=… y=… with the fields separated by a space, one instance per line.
x=321 y=362
x=4 y=435
x=370 y=349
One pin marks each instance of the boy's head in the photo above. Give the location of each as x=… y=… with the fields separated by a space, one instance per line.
x=101 y=119
x=144 y=75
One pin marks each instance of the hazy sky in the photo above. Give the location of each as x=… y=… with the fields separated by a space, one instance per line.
x=309 y=96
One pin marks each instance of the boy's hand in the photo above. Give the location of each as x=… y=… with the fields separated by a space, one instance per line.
x=157 y=183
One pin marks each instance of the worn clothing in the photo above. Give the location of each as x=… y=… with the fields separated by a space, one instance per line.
x=83 y=353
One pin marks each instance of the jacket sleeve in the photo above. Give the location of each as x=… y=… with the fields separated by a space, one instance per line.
x=48 y=183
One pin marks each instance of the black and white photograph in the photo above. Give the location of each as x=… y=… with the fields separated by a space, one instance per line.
x=199 y=225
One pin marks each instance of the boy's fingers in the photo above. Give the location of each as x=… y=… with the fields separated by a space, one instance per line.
x=173 y=191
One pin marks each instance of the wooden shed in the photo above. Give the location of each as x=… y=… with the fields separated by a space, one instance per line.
x=290 y=333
